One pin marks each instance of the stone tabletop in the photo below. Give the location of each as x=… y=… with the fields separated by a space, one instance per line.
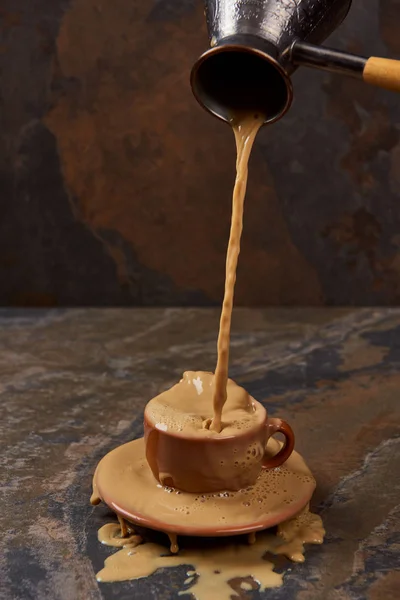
x=74 y=384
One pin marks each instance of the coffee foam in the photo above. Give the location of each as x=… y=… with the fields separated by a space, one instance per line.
x=187 y=407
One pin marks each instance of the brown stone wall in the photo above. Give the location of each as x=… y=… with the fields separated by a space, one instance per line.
x=115 y=186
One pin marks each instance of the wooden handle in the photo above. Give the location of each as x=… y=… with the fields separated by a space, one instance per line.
x=383 y=72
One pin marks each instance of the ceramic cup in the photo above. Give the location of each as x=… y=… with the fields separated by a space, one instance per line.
x=203 y=464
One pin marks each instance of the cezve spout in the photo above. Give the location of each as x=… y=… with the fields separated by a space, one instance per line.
x=256 y=45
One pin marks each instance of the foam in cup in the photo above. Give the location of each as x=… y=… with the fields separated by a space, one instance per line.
x=187 y=407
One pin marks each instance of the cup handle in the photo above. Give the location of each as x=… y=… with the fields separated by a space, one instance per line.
x=279 y=426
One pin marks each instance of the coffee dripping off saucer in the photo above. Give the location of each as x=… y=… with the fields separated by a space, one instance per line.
x=186 y=480
x=256 y=45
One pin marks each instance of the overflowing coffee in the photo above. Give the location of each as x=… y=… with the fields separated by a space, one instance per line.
x=185 y=454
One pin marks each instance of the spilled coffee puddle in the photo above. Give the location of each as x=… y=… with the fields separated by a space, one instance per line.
x=219 y=568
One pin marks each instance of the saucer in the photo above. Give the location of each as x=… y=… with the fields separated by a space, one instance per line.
x=123 y=480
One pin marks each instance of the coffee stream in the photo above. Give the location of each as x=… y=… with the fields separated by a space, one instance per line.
x=245 y=129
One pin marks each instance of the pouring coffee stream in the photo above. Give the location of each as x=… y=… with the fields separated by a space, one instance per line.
x=244 y=79
x=265 y=41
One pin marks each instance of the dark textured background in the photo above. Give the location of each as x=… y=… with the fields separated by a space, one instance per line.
x=115 y=186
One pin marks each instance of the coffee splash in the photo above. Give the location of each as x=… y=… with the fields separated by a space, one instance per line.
x=214 y=569
x=245 y=128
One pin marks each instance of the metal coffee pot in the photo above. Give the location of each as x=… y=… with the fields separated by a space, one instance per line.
x=256 y=45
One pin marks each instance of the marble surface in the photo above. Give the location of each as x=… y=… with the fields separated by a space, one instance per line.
x=74 y=383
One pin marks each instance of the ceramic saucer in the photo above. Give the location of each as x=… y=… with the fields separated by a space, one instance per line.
x=133 y=493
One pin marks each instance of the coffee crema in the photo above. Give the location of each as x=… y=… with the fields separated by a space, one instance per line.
x=187 y=407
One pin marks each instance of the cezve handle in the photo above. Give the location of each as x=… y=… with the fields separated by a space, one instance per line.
x=382 y=72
